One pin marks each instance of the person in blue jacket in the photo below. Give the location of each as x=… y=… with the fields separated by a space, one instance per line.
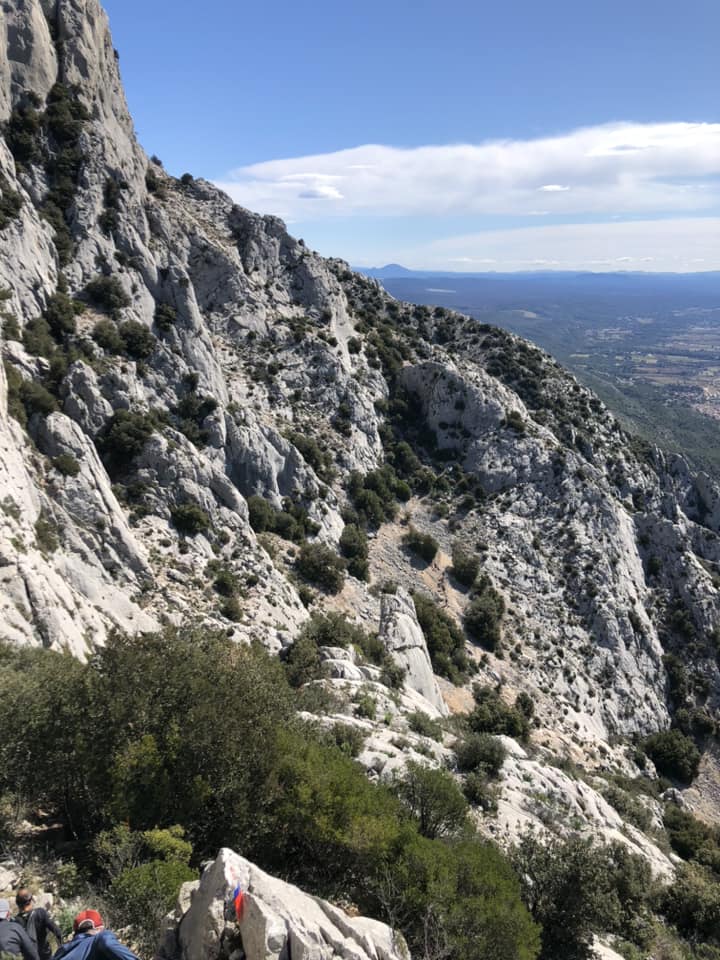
x=92 y=941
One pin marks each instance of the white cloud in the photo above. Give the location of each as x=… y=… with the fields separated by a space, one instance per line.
x=620 y=168
x=674 y=244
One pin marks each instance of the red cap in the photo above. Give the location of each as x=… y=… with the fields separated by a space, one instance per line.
x=88 y=920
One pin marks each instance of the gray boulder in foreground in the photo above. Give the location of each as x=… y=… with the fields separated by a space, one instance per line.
x=279 y=921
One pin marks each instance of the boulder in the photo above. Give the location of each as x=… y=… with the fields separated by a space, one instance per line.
x=277 y=920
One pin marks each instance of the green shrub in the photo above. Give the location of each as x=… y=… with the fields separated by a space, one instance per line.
x=138 y=341
x=434 y=799
x=492 y=715
x=318 y=564
x=674 y=755
x=261 y=514
x=629 y=808
x=574 y=888
x=165 y=316
x=375 y=495
x=46 y=534
x=692 y=904
x=366 y=706
x=347 y=738
x=465 y=565
x=421 y=544
x=107 y=294
x=334 y=630
x=37 y=399
x=106 y=335
x=61 y=312
x=124 y=437
x=142 y=896
x=302 y=661
x=291 y=523
x=66 y=464
x=514 y=421
x=483 y=617
x=10 y=202
x=424 y=725
x=318 y=458
x=354 y=547
x=480 y=753
x=445 y=640
x=190 y=519
x=692 y=839
x=37 y=338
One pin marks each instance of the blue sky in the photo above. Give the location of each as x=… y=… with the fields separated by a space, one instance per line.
x=455 y=135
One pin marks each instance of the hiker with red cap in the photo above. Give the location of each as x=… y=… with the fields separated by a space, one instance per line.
x=92 y=941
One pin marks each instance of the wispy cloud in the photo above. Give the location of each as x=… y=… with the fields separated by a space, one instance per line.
x=621 y=168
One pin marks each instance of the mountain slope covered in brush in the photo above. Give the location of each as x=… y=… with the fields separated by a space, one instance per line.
x=205 y=425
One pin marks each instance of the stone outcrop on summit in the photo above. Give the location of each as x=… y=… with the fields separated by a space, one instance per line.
x=203 y=421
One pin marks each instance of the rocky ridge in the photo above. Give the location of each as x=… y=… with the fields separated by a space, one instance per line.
x=218 y=360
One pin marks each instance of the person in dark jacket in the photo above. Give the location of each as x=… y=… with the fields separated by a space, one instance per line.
x=92 y=941
x=37 y=923
x=13 y=938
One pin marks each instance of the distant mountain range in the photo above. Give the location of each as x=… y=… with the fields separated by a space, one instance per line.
x=551 y=281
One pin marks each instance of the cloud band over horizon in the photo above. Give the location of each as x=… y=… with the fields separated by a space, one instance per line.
x=593 y=177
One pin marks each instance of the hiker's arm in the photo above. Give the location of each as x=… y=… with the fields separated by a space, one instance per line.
x=53 y=928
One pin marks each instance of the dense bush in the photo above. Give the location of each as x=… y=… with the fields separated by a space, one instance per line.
x=66 y=464
x=318 y=564
x=691 y=838
x=165 y=316
x=692 y=904
x=291 y=523
x=480 y=753
x=444 y=638
x=424 y=725
x=465 y=565
x=61 y=312
x=433 y=798
x=190 y=519
x=319 y=458
x=107 y=294
x=374 y=495
x=674 y=755
x=138 y=341
x=423 y=545
x=106 y=335
x=124 y=437
x=574 y=888
x=483 y=617
x=354 y=547
x=492 y=715
x=10 y=202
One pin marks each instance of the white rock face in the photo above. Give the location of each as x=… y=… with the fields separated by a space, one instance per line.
x=278 y=920
x=404 y=640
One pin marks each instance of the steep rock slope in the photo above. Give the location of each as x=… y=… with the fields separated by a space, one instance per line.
x=173 y=362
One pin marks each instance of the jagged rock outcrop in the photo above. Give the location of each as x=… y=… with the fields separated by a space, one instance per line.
x=277 y=921
x=403 y=638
